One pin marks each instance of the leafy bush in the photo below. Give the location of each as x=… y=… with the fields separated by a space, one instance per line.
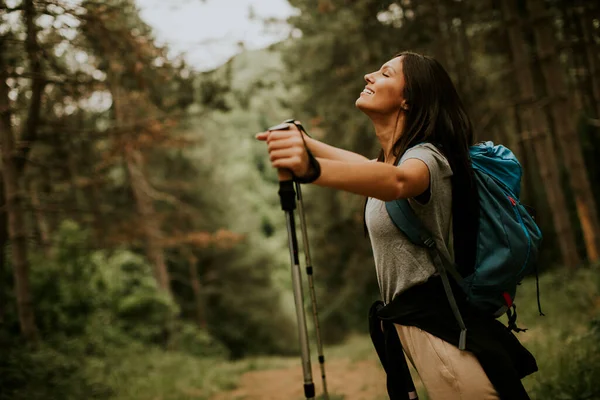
x=76 y=286
x=244 y=308
x=95 y=310
x=188 y=339
x=44 y=372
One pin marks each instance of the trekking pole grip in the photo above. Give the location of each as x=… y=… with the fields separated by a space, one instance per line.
x=287 y=194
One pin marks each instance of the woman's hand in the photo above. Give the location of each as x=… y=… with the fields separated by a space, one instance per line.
x=287 y=150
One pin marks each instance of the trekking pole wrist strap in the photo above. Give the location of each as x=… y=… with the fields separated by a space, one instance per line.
x=314 y=168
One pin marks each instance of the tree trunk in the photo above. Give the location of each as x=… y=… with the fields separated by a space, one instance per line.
x=73 y=168
x=40 y=219
x=141 y=192
x=147 y=218
x=91 y=191
x=535 y=122
x=591 y=50
x=13 y=163
x=4 y=279
x=465 y=72
x=196 y=287
x=445 y=48
x=16 y=216
x=91 y=194
x=582 y=98
x=566 y=132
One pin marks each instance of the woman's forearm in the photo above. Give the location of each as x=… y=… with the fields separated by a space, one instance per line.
x=322 y=150
x=378 y=180
x=382 y=181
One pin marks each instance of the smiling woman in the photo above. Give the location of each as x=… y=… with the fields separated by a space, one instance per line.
x=425 y=134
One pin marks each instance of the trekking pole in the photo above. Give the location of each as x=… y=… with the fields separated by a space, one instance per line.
x=313 y=297
x=309 y=273
x=287 y=197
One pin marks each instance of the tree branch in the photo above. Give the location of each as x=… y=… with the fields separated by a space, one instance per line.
x=160 y=196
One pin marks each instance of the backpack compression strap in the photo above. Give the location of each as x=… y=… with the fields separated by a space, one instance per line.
x=408 y=223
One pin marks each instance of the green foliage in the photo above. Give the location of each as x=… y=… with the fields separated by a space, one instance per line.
x=95 y=310
x=575 y=372
x=76 y=286
x=188 y=339
x=244 y=309
x=44 y=372
x=242 y=284
x=566 y=341
x=129 y=371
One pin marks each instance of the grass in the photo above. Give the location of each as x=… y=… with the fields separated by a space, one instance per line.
x=570 y=302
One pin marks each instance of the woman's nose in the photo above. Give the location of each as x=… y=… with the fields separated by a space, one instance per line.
x=368 y=78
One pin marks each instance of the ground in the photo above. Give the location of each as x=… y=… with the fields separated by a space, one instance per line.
x=346 y=379
x=353 y=372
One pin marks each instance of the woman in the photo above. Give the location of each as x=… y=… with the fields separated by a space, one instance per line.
x=425 y=136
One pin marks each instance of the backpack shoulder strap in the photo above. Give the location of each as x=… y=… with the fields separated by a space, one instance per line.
x=406 y=220
x=408 y=223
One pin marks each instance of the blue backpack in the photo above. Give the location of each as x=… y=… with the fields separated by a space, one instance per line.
x=508 y=239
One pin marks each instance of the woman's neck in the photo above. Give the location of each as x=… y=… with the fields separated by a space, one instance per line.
x=388 y=129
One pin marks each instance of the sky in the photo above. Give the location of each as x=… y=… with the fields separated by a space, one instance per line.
x=209 y=32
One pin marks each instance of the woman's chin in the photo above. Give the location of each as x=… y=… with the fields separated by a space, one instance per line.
x=360 y=104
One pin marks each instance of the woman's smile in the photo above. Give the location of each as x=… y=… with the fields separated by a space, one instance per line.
x=368 y=92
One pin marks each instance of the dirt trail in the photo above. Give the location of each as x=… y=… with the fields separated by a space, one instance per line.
x=346 y=379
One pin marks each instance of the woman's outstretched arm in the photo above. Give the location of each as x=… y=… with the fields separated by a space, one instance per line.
x=379 y=180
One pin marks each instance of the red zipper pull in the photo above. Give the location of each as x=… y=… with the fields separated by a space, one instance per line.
x=507 y=299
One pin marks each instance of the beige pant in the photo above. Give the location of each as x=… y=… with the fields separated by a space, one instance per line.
x=446 y=372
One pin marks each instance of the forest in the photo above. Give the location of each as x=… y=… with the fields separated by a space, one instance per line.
x=143 y=249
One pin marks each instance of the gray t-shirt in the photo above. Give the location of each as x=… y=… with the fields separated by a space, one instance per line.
x=399 y=263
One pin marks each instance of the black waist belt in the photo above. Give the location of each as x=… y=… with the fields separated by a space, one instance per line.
x=501 y=355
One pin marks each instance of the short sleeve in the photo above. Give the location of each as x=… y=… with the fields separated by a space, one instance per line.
x=439 y=168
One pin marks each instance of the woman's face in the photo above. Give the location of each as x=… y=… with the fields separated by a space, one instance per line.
x=383 y=93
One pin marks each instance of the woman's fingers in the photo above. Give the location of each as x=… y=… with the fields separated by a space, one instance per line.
x=290 y=158
x=294 y=164
x=279 y=134
x=262 y=135
x=283 y=153
x=284 y=144
x=282 y=135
